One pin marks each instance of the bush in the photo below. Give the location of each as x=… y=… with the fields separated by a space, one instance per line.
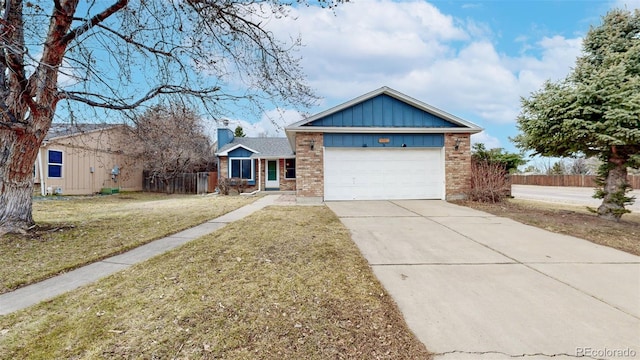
x=239 y=184
x=226 y=184
x=223 y=186
x=489 y=182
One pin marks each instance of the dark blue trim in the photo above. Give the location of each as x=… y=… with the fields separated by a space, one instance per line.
x=373 y=140
x=239 y=153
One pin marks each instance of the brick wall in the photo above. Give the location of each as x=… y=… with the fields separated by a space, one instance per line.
x=310 y=173
x=223 y=171
x=309 y=165
x=223 y=167
x=457 y=165
x=286 y=184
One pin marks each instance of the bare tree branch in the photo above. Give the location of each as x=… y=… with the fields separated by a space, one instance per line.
x=130 y=40
x=95 y=20
x=160 y=90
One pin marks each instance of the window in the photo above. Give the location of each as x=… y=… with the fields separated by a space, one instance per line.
x=54 y=164
x=290 y=168
x=241 y=168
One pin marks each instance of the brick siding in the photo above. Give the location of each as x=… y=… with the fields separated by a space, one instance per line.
x=285 y=184
x=309 y=165
x=223 y=167
x=457 y=165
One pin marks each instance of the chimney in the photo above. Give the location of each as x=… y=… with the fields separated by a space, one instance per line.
x=225 y=135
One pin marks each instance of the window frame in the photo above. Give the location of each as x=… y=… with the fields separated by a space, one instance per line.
x=231 y=160
x=60 y=165
x=286 y=169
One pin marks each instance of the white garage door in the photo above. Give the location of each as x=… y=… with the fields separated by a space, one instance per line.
x=378 y=174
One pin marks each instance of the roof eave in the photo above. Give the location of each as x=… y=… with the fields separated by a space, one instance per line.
x=394 y=130
x=272 y=157
x=393 y=93
x=82 y=133
x=226 y=152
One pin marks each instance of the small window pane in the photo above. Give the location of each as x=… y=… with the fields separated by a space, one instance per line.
x=290 y=168
x=55 y=171
x=235 y=168
x=55 y=157
x=246 y=169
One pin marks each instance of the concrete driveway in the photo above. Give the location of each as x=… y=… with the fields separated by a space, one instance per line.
x=475 y=286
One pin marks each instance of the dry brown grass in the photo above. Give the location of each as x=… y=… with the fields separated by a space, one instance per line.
x=75 y=231
x=284 y=283
x=570 y=220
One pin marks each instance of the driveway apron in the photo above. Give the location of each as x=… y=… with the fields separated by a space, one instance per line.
x=476 y=286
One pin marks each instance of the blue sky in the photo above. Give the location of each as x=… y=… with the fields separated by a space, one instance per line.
x=474 y=59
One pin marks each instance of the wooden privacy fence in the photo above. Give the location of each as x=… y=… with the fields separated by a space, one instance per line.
x=193 y=183
x=566 y=180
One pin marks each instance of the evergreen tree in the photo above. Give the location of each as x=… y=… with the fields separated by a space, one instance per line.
x=595 y=110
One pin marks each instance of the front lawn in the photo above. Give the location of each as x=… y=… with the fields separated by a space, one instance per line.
x=283 y=283
x=75 y=231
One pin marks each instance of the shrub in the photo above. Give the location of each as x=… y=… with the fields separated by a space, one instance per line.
x=223 y=186
x=489 y=182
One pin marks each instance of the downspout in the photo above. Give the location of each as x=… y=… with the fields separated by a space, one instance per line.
x=40 y=173
x=219 y=175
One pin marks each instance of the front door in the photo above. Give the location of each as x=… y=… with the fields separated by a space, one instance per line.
x=272 y=175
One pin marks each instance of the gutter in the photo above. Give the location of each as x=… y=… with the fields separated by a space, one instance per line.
x=43 y=186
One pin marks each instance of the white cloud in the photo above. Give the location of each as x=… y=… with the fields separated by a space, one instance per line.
x=413 y=47
x=368 y=51
x=490 y=142
x=271 y=124
x=627 y=4
x=558 y=55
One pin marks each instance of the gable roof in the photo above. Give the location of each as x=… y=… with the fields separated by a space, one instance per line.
x=61 y=130
x=263 y=148
x=424 y=118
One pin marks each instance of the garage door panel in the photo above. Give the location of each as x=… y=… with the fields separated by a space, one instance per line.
x=374 y=174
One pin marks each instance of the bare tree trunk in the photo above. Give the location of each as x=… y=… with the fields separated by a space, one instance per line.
x=615 y=187
x=17 y=158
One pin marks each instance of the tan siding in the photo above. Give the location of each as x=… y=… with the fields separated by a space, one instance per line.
x=97 y=150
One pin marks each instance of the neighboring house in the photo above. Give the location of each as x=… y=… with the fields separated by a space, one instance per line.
x=82 y=159
x=381 y=145
x=264 y=163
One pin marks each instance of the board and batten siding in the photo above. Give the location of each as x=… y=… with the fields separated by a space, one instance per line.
x=383 y=111
x=383 y=140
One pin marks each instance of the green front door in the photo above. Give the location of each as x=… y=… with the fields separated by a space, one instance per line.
x=272 y=175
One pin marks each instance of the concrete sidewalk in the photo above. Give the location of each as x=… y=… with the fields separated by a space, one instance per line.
x=47 y=289
x=476 y=286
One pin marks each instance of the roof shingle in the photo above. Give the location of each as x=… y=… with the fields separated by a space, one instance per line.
x=265 y=147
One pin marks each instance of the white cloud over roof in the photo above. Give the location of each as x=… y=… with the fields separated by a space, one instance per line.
x=456 y=63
